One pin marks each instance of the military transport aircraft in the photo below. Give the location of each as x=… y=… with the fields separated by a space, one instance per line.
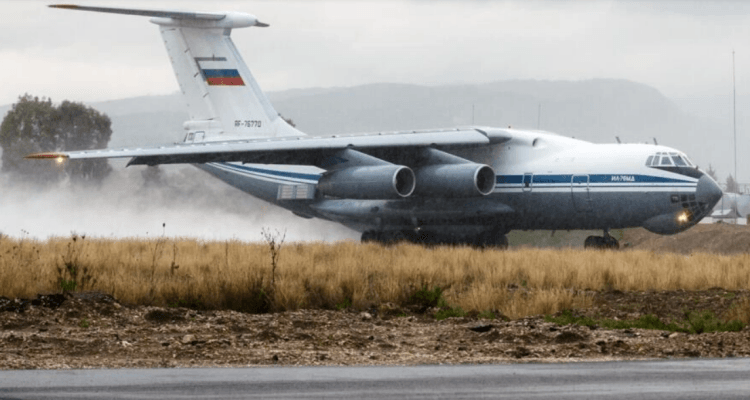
x=468 y=185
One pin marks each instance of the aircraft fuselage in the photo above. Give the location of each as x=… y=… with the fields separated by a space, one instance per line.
x=544 y=181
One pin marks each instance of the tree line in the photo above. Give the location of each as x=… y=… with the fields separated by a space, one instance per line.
x=37 y=125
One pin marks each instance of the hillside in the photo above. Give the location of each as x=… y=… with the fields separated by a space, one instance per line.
x=594 y=110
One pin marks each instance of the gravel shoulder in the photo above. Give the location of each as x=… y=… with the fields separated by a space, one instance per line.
x=92 y=330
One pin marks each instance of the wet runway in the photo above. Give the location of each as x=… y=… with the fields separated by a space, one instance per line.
x=684 y=379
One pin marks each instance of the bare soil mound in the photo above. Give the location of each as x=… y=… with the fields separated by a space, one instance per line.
x=720 y=238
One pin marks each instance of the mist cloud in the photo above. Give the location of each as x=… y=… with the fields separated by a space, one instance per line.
x=190 y=203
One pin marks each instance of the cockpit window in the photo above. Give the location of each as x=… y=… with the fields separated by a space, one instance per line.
x=664 y=159
x=675 y=162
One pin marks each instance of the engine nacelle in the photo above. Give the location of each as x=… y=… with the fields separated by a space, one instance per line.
x=455 y=180
x=372 y=182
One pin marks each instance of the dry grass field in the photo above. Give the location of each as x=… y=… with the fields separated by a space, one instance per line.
x=239 y=276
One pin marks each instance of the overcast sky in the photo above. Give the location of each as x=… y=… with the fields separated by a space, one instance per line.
x=683 y=48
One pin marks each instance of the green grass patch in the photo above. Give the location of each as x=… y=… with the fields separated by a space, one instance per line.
x=347 y=303
x=487 y=314
x=694 y=322
x=425 y=298
x=450 y=312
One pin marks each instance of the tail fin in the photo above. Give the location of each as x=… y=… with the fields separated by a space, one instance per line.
x=223 y=98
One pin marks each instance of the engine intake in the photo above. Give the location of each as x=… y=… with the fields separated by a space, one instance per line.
x=372 y=182
x=455 y=180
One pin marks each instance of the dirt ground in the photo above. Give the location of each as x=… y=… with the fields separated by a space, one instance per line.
x=93 y=330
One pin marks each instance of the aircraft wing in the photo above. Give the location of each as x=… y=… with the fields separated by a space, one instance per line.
x=304 y=150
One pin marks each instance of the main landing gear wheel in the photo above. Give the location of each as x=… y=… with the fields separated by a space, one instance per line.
x=491 y=239
x=386 y=237
x=369 y=236
x=601 y=242
x=487 y=239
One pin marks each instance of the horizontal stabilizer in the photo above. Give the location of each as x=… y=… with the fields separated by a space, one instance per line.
x=207 y=16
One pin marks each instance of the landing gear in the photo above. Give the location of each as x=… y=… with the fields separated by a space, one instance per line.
x=369 y=236
x=491 y=239
x=387 y=237
x=486 y=239
x=601 y=242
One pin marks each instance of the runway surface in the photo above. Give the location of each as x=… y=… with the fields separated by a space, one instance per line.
x=684 y=379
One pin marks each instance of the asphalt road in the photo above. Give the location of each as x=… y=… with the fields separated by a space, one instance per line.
x=684 y=379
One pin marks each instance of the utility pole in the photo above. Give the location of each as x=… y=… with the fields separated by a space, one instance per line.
x=734 y=125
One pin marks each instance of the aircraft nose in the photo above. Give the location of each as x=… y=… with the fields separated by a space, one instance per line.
x=708 y=191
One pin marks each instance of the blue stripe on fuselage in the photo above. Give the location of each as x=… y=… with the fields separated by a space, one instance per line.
x=501 y=179
x=593 y=178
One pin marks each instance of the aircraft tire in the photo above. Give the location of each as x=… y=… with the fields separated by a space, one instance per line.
x=502 y=242
x=601 y=242
x=393 y=237
x=593 y=242
x=421 y=237
x=368 y=236
x=491 y=239
x=611 y=243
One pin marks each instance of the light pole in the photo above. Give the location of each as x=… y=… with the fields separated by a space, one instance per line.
x=734 y=124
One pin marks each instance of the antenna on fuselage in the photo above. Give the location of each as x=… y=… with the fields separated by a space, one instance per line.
x=655 y=142
x=618 y=140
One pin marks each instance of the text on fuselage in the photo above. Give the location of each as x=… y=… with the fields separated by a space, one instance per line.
x=623 y=178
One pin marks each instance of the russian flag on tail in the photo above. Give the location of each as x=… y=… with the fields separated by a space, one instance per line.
x=223 y=77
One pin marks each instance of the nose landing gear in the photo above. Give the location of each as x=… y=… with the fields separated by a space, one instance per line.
x=601 y=242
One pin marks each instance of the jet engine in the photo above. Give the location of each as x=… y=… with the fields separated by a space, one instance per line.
x=455 y=180
x=370 y=182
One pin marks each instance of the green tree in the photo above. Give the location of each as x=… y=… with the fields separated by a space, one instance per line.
x=36 y=125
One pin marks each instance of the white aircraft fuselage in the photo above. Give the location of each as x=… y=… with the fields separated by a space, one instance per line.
x=543 y=181
x=465 y=185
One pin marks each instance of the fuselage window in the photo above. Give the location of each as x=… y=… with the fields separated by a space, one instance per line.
x=666 y=161
x=678 y=161
x=650 y=158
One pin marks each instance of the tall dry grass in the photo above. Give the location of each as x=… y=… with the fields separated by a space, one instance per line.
x=237 y=275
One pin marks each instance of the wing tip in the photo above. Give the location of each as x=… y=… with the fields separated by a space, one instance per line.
x=46 y=156
x=66 y=6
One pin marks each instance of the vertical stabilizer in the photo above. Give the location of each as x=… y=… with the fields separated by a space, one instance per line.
x=223 y=99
